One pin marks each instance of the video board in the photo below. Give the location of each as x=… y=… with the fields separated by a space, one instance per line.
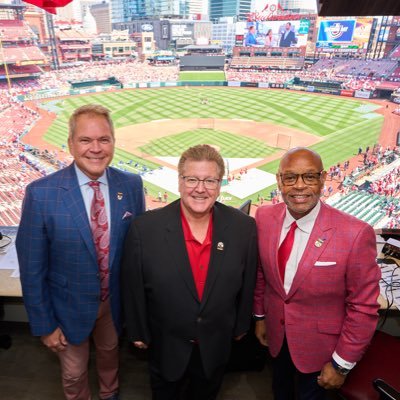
x=284 y=33
x=347 y=33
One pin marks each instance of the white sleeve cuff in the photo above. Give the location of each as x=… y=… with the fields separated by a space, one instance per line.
x=343 y=363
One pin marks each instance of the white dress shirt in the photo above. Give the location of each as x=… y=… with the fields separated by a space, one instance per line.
x=88 y=192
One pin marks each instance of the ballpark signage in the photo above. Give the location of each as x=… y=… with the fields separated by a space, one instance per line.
x=336 y=31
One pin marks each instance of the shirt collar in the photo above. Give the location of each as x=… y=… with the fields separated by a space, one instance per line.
x=83 y=179
x=187 y=233
x=305 y=223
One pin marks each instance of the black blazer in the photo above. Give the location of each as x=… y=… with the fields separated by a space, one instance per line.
x=160 y=300
x=286 y=42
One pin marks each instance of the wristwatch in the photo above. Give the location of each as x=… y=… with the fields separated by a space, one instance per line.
x=339 y=369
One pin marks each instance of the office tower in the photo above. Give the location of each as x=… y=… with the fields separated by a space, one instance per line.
x=195 y=7
x=299 y=6
x=129 y=10
x=229 y=8
x=101 y=13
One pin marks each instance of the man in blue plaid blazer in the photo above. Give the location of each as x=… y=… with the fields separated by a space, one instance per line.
x=57 y=256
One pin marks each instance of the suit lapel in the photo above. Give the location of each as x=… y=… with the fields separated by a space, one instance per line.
x=177 y=246
x=219 y=246
x=319 y=239
x=74 y=202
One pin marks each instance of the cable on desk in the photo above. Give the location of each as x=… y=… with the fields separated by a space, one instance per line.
x=390 y=286
x=6 y=239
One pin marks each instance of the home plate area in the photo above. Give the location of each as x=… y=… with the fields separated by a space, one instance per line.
x=241 y=185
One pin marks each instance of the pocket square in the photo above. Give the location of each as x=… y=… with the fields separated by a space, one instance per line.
x=324 y=263
x=127 y=215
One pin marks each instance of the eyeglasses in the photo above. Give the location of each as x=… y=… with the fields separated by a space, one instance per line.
x=309 y=178
x=192 y=182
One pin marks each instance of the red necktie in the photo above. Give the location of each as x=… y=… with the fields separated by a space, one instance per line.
x=285 y=249
x=101 y=235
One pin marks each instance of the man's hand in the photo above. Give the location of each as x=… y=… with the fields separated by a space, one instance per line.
x=140 y=345
x=240 y=337
x=260 y=332
x=329 y=378
x=55 y=341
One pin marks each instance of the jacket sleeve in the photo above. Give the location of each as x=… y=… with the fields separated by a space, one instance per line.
x=32 y=246
x=362 y=288
x=133 y=290
x=246 y=295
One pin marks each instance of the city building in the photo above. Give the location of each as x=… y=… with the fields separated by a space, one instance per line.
x=129 y=10
x=229 y=8
x=170 y=34
x=101 y=13
x=223 y=34
x=299 y=6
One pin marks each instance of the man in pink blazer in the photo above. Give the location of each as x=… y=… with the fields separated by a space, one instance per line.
x=319 y=313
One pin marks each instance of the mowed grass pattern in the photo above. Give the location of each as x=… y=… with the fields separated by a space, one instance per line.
x=230 y=145
x=339 y=120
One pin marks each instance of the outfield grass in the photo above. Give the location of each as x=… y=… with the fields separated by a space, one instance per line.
x=229 y=144
x=344 y=123
x=202 y=76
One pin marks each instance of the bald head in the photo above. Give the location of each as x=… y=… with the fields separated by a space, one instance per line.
x=299 y=153
x=300 y=179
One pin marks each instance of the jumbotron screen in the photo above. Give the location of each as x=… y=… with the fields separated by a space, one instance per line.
x=286 y=33
x=350 y=33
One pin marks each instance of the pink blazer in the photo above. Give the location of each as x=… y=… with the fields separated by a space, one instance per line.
x=332 y=304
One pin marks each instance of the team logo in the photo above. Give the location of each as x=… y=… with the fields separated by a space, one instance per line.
x=147 y=27
x=336 y=30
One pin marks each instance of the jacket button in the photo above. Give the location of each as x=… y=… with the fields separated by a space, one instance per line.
x=199 y=319
x=287 y=301
x=282 y=321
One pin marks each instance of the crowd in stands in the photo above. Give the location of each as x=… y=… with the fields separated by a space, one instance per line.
x=354 y=74
x=254 y=76
x=388 y=185
x=14 y=176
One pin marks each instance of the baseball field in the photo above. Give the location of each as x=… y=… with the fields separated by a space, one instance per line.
x=251 y=127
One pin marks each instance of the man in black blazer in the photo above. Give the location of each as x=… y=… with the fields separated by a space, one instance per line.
x=188 y=275
x=287 y=36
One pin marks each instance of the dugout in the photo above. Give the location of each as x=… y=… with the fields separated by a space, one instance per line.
x=87 y=84
x=317 y=85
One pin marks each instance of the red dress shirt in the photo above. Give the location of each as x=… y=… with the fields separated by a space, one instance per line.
x=199 y=253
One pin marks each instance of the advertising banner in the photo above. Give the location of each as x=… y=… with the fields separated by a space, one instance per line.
x=181 y=31
x=347 y=92
x=335 y=31
x=362 y=94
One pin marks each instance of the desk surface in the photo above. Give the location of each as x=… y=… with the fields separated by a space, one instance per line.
x=10 y=287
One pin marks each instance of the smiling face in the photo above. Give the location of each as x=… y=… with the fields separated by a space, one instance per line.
x=198 y=201
x=301 y=198
x=92 y=144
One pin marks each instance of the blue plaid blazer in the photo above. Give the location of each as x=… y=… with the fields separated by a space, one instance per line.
x=57 y=257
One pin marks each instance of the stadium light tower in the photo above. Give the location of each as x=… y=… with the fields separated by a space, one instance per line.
x=4 y=61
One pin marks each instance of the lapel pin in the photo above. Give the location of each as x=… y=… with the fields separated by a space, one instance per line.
x=120 y=195
x=319 y=242
x=220 y=246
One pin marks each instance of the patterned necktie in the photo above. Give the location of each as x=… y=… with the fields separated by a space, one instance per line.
x=285 y=249
x=101 y=236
